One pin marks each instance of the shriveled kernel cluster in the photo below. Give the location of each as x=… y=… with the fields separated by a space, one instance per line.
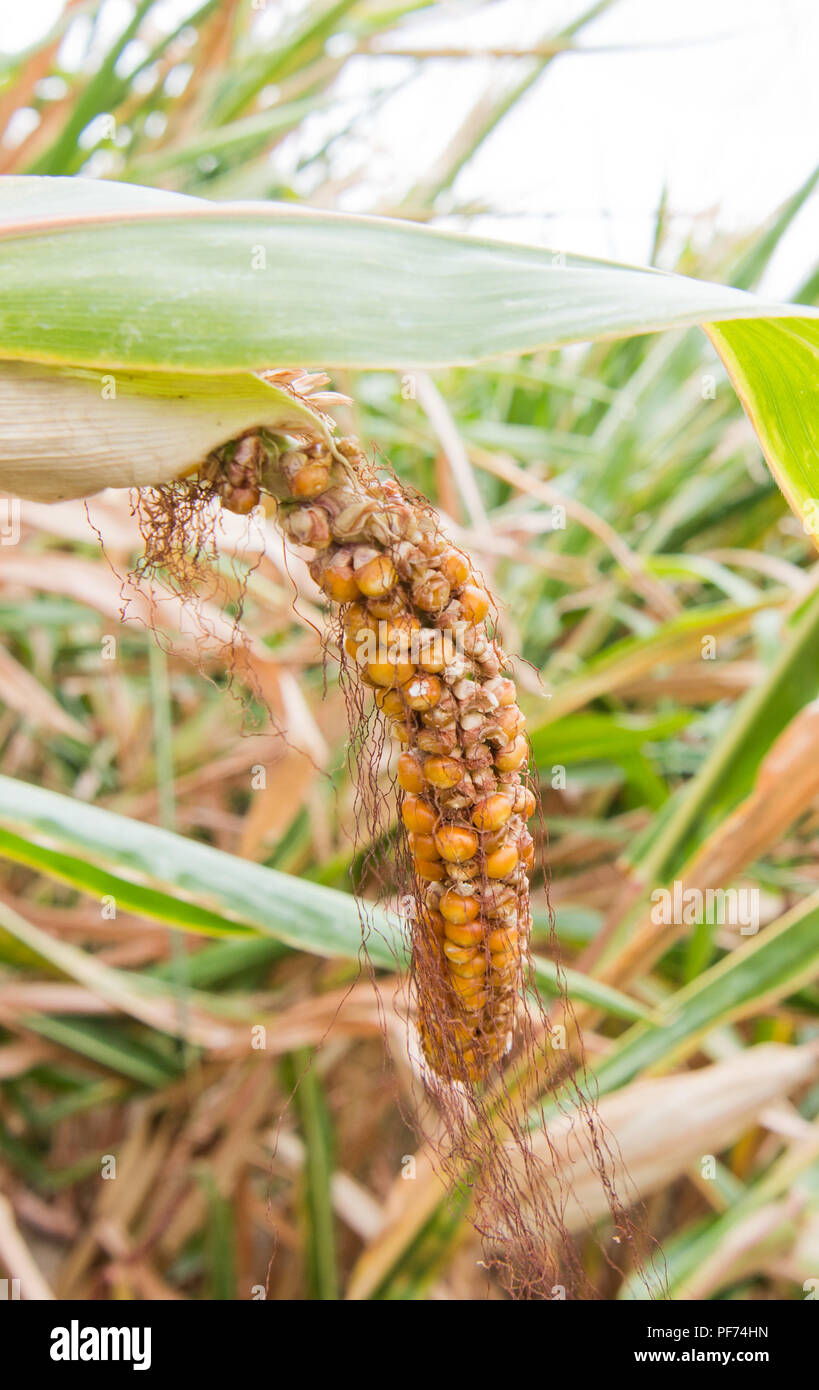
x=414 y=616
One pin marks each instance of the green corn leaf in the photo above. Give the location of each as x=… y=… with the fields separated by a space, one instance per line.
x=181 y=882
x=116 y=277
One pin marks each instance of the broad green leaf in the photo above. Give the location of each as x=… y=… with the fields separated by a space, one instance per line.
x=189 y=885
x=123 y=278
x=775 y=369
x=162 y=281
x=179 y=881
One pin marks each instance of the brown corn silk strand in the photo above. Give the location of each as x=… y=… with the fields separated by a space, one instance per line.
x=419 y=660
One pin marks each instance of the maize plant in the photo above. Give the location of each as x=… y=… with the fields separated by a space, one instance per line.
x=141 y=347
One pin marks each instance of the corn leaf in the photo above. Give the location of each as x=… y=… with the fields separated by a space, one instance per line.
x=116 y=276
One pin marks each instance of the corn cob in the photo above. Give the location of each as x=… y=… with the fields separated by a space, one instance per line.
x=413 y=628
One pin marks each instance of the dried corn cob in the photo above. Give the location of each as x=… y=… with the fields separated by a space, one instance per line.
x=413 y=621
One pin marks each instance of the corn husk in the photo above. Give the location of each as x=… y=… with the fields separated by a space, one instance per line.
x=71 y=432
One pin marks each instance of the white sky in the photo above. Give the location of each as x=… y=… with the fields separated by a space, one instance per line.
x=722 y=105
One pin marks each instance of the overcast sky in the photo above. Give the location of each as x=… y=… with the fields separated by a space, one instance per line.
x=719 y=99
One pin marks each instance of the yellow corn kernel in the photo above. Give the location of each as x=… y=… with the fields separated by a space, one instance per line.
x=390 y=702
x=511 y=758
x=357 y=619
x=418 y=815
x=338 y=581
x=410 y=773
x=502 y=861
x=455 y=567
x=455 y=843
x=443 y=772
x=492 y=813
x=466 y=964
x=388 y=606
x=455 y=908
x=421 y=692
x=423 y=846
x=430 y=869
x=463 y=933
x=390 y=672
x=474 y=603
x=503 y=939
x=377 y=577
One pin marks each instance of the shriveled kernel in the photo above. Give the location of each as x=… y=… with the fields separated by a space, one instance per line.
x=431 y=593
x=431 y=652
x=511 y=720
x=474 y=603
x=443 y=772
x=422 y=692
x=490 y=843
x=501 y=862
x=511 y=758
x=410 y=773
x=435 y=741
x=455 y=908
x=306 y=526
x=377 y=577
x=455 y=843
x=493 y=812
x=242 y=498
x=526 y=850
x=419 y=816
x=310 y=482
x=505 y=692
